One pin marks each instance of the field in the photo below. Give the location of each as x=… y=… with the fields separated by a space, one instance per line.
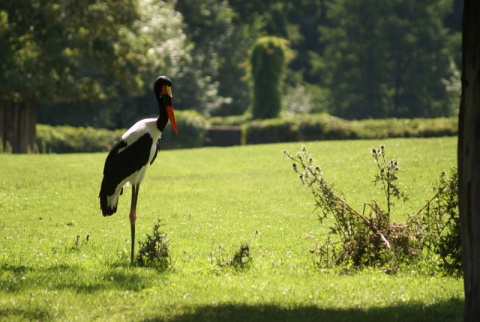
x=211 y=200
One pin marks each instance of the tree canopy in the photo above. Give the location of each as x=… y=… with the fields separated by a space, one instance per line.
x=387 y=58
x=64 y=50
x=92 y=62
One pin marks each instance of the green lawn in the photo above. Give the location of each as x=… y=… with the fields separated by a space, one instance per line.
x=211 y=200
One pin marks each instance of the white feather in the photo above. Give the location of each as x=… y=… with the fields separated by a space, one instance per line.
x=133 y=134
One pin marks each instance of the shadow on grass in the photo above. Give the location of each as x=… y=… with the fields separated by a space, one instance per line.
x=30 y=315
x=72 y=277
x=451 y=310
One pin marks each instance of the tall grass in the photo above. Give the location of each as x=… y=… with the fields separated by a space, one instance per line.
x=211 y=201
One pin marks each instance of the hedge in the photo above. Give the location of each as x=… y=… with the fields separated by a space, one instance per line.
x=327 y=127
x=68 y=139
x=193 y=129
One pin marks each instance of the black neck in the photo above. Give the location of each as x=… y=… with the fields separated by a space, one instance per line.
x=162 y=117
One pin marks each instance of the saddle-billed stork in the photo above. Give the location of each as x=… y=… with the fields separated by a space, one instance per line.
x=136 y=150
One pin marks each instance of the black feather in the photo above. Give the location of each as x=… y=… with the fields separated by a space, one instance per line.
x=121 y=164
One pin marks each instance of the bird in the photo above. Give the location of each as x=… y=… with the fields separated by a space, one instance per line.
x=133 y=153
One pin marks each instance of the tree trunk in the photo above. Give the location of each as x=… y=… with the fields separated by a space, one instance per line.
x=469 y=158
x=17 y=126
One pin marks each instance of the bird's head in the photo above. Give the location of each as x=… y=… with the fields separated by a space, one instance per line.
x=163 y=93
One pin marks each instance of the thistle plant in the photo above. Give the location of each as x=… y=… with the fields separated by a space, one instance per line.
x=154 y=250
x=437 y=224
x=387 y=176
x=369 y=238
x=359 y=238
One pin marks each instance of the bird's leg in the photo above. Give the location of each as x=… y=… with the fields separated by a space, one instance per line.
x=133 y=217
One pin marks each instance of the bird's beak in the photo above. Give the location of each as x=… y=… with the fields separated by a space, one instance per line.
x=171 y=116
x=166 y=95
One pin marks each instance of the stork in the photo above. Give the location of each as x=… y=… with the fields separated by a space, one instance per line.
x=133 y=153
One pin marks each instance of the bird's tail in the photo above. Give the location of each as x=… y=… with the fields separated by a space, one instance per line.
x=108 y=203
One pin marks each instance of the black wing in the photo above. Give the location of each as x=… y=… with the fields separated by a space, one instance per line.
x=122 y=163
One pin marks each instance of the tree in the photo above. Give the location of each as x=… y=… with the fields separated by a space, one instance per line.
x=469 y=159
x=51 y=49
x=157 y=46
x=267 y=63
x=153 y=44
x=387 y=58
x=221 y=37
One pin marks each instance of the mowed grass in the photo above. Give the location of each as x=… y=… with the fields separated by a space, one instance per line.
x=211 y=200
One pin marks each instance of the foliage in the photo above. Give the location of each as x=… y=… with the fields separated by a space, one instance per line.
x=213 y=81
x=231 y=120
x=154 y=250
x=370 y=238
x=267 y=65
x=65 y=50
x=191 y=126
x=240 y=259
x=68 y=139
x=271 y=130
x=360 y=239
x=439 y=223
x=326 y=127
x=153 y=44
x=387 y=177
x=387 y=59
x=95 y=60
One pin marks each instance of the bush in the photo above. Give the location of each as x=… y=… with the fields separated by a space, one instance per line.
x=192 y=128
x=326 y=127
x=267 y=65
x=439 y=220
x=154 y=250
x=271 y=131
x=240 y=260
x=232 y=120
x=369 y=238
x=68 y=139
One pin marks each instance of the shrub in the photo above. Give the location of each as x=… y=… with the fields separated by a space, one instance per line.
x=439 y=222
x=267 y=65
x=192 y=128
x=270 y=131
x=154 y=250
x=68 y=139
x=323 y=127
x=369 y=238
x=231 y=120
x=240 y=260
x=305 y=127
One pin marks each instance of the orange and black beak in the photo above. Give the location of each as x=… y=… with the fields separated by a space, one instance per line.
x=166 y=95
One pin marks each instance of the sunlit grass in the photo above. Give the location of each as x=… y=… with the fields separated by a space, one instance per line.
x=211 y=200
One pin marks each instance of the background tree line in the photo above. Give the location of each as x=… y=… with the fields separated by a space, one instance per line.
x=92 y=63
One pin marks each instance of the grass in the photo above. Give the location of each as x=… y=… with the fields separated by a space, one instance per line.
x=211 y=200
